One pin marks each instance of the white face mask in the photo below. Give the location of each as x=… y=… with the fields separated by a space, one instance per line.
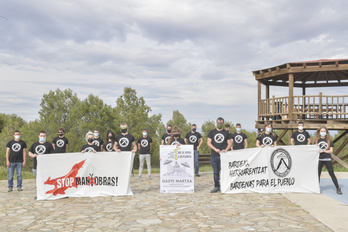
x=300 y=127
x=268 y=129
x=17 y=137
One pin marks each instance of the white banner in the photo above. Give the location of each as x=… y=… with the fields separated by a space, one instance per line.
x=84 y=175
x=271 y=170
x=177 y=170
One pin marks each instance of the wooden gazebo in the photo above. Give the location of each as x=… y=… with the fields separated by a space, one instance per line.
x=314 y=110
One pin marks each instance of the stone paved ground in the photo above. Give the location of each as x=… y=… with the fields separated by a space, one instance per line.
x=148 y=210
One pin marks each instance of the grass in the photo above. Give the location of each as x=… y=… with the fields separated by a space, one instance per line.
x=202 y=168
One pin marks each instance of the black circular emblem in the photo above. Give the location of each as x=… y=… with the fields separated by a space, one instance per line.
x=281 y=162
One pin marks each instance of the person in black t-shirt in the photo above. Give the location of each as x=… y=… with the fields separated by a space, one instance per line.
x=97 y=140
x=41 y=147
x=240 y=140
x=300 y=137
x=90 y=146
x=219 y=142
x=194 y=138
x=167 y=135
x=175 y=138
x=15 y=159
x=267 y=137
x=145 y=146
x=109 y=141
x=125 y=141
x=60 y=144
x=322 y=140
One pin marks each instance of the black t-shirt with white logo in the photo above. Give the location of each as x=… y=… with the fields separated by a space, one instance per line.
x=60 y=144
x=238 y=140
x=193 y=138
x=300 y=138
x=218 y=140
x=98 y=142
x=90 y=148
x=124 y=142
x=323 y=145
x=177 y=141
x=109 y=146
x=267 y=139
x=16 y=150
x=144 y=145
x=166 y=138
x=41 y=149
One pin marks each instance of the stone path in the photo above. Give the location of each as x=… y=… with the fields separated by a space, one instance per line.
x=148 y=210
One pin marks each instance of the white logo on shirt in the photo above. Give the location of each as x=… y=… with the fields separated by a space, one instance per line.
x=40 y=149
x=124 y=142
x=219 y=138
x=60 y=143
x=267 y=141
x=16 y=147
x=238 y=139
x=144 y=143
x=193 y=138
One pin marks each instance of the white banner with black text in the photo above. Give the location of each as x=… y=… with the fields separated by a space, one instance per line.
x=176 y=170
x=277 y=169
x=84 y=175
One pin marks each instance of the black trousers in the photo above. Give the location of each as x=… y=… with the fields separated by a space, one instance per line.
x=329 y=167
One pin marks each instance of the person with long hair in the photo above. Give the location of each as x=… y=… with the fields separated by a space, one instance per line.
x=323 y=141
x=109 y=141
x=175 y=138
x=267 y=138
x=90 y=146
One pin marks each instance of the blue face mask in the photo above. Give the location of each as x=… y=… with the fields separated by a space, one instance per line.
x=268 y=129
x=322 y=134
x=42 y=139
x=238 y=129
x=144 y=133
x=96 y=134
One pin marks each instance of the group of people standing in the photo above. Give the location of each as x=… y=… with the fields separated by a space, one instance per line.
x=219 y=140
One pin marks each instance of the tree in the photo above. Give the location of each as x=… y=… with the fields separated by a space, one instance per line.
x=58 y=109
x=180 y=121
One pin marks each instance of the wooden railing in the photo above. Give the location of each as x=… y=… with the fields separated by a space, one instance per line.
x=315 y=107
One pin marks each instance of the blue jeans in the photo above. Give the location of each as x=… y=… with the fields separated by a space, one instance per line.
x=18 y=167
x=196 y=161
x=215 y=162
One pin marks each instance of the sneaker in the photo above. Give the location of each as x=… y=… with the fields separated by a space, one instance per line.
x=339 y=191
x=215 y=190
x=139 y=177
x=150 y=177
x=19 y=189
x=197 y=174
x=10 y=189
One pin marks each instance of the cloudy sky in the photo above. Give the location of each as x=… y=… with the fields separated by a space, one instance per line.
x=194 y=56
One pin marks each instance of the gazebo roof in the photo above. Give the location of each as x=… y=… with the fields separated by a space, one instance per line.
x=315 y=73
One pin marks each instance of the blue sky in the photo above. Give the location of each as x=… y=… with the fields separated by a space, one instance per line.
x=193 y=56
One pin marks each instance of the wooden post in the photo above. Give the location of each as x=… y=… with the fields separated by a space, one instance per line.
x=267 y=91
x=291 y=97
x=290 y=134
x=258 y=100
x=304 y=91
x=320 y=105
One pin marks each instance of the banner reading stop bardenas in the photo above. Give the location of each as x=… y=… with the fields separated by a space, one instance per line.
x=84 y=175
x=177 y=170
x=271 y=170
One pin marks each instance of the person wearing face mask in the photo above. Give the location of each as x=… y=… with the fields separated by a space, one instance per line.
x=90 y=146
x=60 y=143
x=16 y=151
x=325 y=145
x=175 y=138
x=97 y=140
x=109 y=141
x=125 y=140
x=145 y=146
x=167 y=135
x=300 y=137
x=219 y=141
x=240 y=140
x=41 y=147
x=194 y=138
x=267 y=138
